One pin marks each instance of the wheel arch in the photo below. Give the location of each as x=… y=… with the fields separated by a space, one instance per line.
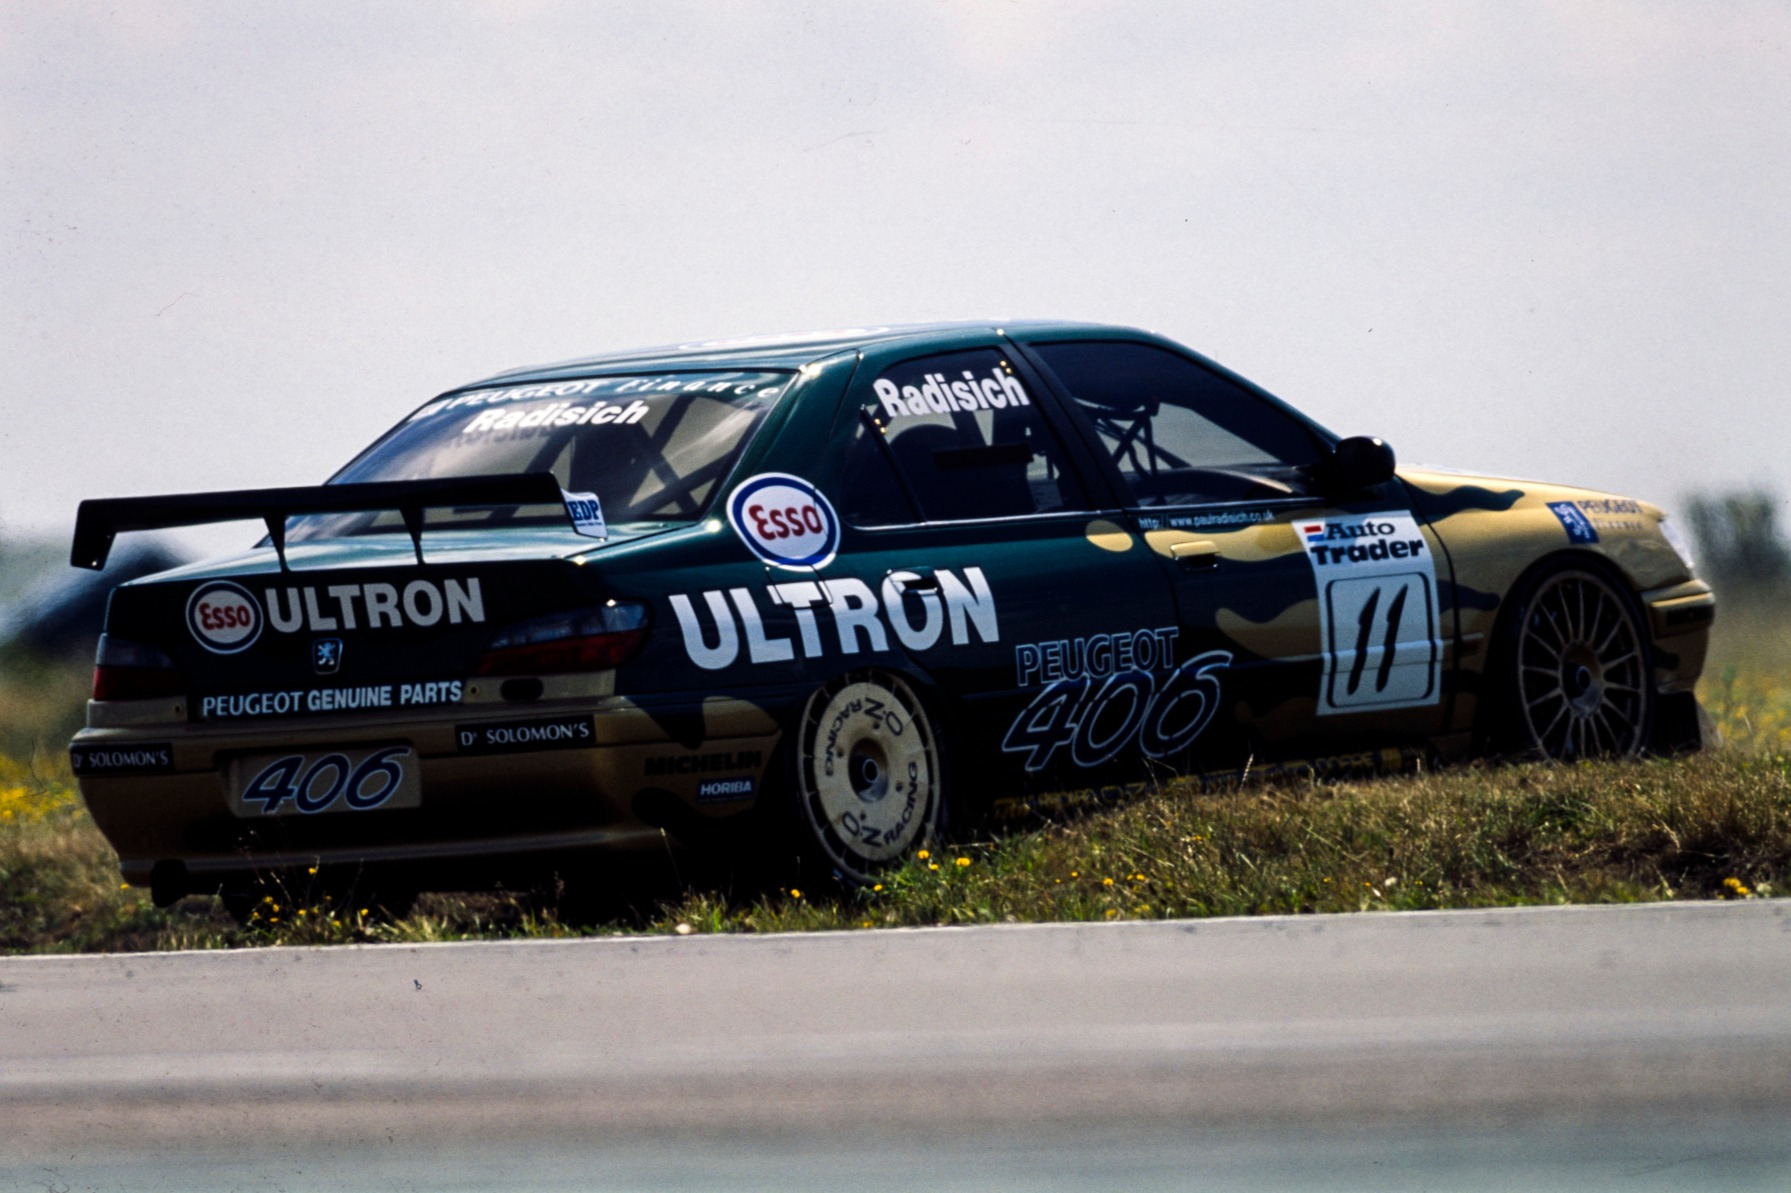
x=1490 y=708
x=784 y=814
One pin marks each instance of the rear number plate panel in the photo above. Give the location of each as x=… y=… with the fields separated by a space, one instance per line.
x=349 y=779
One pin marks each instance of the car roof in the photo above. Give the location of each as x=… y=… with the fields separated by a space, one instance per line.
x=786 y=350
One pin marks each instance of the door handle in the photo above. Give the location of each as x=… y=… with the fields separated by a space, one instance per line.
x=1195 y=556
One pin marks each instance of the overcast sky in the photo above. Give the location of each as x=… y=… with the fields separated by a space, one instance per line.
x=1543 y=240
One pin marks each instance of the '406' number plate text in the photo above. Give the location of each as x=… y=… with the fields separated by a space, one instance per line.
x=348 y=780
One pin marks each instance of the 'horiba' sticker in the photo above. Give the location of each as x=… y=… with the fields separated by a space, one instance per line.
x=785 y=520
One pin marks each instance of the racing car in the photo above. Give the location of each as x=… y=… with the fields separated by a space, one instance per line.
x=852 y=589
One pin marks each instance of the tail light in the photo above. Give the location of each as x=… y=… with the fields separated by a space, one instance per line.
x=582 y=640
x=125 y=670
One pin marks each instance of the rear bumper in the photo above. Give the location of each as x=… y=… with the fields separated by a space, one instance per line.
x=680 y=765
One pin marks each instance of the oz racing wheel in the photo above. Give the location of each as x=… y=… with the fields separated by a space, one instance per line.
x=1576 y=676
x=869 y=782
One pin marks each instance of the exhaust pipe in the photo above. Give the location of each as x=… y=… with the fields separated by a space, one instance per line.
x=168 y=882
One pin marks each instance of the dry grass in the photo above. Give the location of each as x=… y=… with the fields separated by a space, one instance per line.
x=1747 y=680
x=1716 y=825
x=1713 y=826
x=41 y=706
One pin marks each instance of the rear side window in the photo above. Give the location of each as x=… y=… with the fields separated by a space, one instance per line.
x=1178 y=432
x=950 y=438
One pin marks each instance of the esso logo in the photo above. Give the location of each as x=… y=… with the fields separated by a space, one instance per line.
x=785 y=520
x=223 y=616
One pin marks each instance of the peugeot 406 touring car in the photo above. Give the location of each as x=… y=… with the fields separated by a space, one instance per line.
x=843 y=583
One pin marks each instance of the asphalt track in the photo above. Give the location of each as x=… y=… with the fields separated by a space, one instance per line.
x=1585 y=1048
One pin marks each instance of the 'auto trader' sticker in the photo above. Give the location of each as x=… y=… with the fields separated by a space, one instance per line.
x=1377 y=598
x=786 y=521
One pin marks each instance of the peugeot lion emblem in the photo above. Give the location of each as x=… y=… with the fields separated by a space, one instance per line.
x=326 y=655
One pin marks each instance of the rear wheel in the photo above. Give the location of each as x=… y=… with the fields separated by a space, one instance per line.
x=869 y=776
x=1576 y=676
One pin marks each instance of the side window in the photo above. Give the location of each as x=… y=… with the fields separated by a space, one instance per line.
x=1179 y=433
x=953 y=437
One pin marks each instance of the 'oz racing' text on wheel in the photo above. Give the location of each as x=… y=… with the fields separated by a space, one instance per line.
x=869 y=776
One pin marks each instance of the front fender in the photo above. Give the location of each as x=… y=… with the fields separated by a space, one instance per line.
x=1495 y=530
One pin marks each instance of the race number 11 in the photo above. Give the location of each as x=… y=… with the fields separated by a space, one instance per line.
x=1382 y=641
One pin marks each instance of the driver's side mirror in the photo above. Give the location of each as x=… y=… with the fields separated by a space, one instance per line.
x=1359 y=462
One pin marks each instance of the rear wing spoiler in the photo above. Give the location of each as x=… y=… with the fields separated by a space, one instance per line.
x=100 y=521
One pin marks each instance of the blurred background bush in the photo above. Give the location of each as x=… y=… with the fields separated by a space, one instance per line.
x=1740 y=550
x=50 y=619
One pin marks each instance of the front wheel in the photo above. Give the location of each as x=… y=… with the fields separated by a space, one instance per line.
x=869 y=776
x=1577 y=678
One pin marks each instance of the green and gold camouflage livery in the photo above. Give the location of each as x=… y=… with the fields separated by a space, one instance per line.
x=1074 y=558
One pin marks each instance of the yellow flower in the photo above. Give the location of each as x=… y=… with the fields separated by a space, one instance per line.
x=795 y=894
x=312 y=870
x=877 y=887
x=923 y=855
x=1075 y=873
x=963 y=861
x=1106 y=882
x=867 y=923
x=1111 y=913
x=932 y=865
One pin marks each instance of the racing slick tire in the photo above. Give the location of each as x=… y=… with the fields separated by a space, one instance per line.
x=869 y=777
x=1573 y=677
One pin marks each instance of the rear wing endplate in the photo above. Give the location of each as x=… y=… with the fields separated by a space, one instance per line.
x=100 y=521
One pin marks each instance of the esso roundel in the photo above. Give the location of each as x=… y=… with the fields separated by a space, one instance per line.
x=223 y=617
x=785 y=520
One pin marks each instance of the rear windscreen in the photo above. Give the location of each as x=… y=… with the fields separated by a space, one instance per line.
x=653 y=447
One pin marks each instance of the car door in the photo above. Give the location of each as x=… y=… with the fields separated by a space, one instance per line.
x=1001 y=575
x=1326 y=606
